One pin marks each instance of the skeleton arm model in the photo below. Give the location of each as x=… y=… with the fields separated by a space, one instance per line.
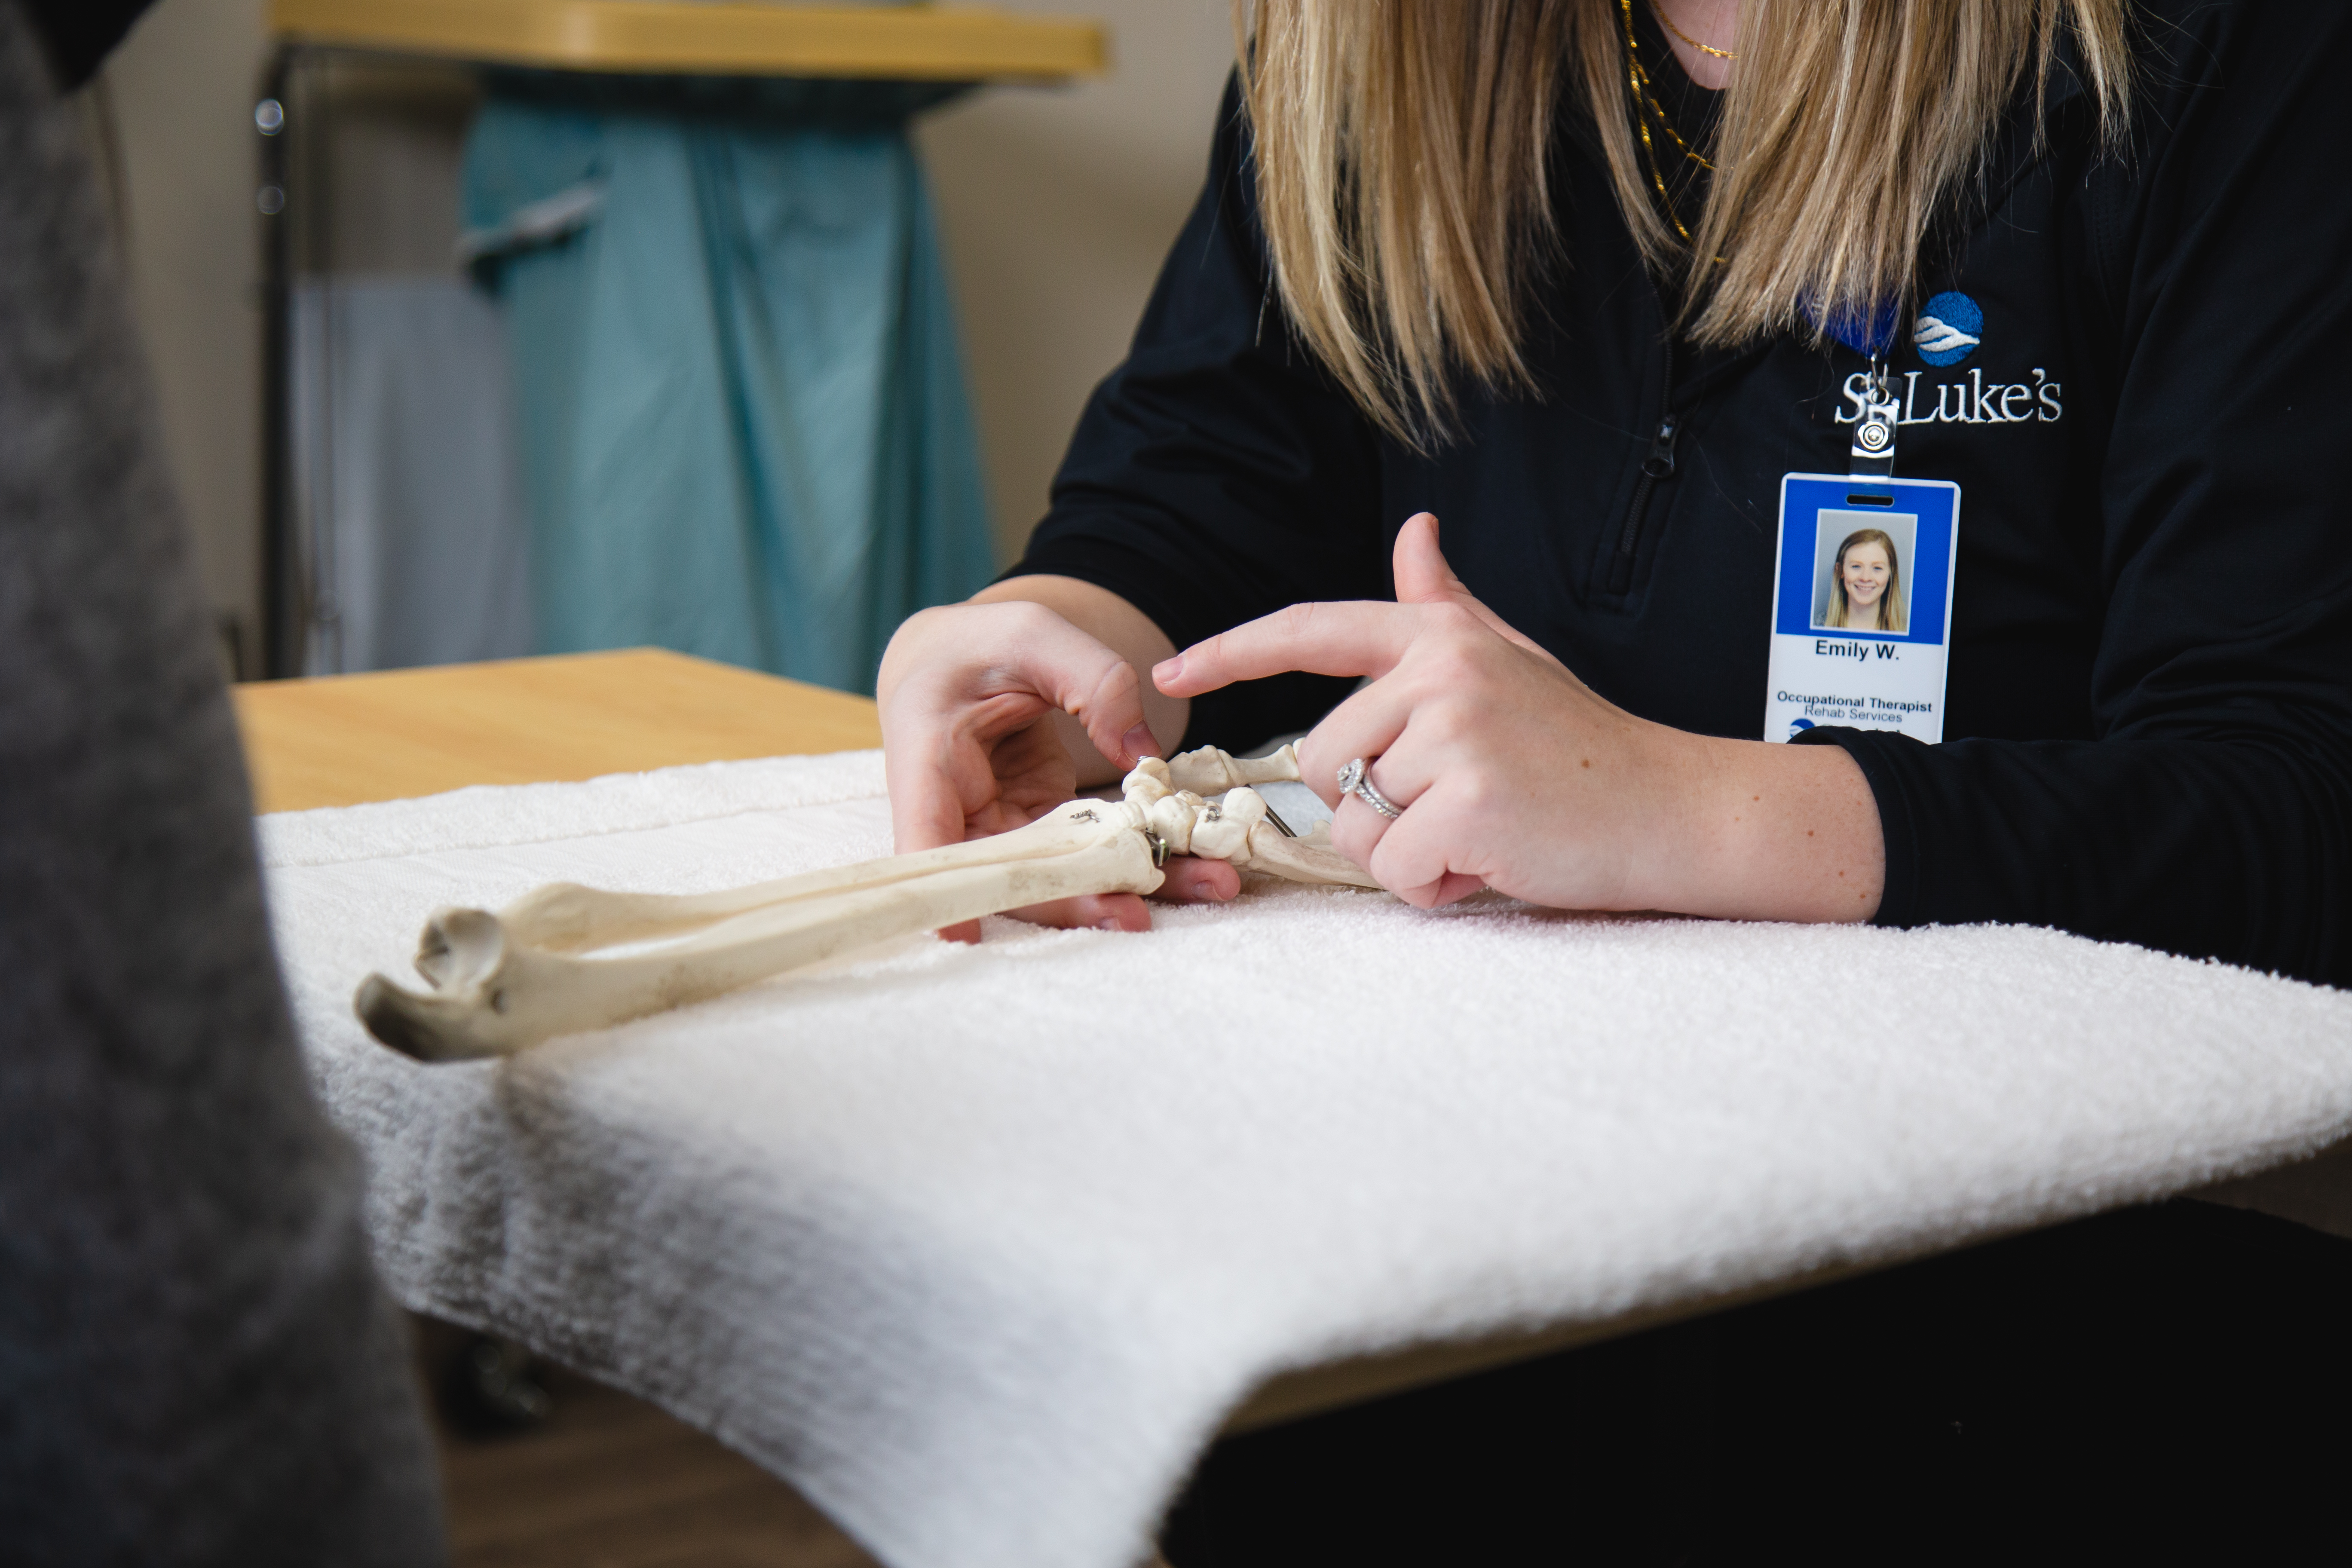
x=502 y=982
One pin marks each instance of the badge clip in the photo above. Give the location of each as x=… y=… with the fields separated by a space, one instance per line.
x=1872 y=455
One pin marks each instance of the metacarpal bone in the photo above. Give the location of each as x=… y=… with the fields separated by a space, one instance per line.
x=1212 y=771
x=1237 y=828
x=1311 y=860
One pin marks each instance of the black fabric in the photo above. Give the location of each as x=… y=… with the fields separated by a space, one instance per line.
x=2160 y=1385
x=2149 y=726
x=197 y=1365
x=78 y=34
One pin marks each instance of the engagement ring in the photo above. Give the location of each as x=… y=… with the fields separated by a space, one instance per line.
x=1356 y=779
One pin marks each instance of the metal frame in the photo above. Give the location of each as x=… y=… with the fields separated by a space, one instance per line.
x=285 y=595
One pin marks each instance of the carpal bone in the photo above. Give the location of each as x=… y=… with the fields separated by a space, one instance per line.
x=1223 y=831
x=503 y=982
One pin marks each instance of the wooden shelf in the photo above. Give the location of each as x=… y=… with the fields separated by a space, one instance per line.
x=688 y=37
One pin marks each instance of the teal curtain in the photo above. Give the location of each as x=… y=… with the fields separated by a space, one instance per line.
x=744 y=425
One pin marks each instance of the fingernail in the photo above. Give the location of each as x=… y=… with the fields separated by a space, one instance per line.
x=1109 y=923
x=1138 y=742
x=1167 y=670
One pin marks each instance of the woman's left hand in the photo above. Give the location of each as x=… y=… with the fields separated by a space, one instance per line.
x=1512 y=773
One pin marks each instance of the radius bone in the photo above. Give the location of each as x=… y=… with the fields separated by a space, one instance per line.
x=564 y=917
x=501 y=983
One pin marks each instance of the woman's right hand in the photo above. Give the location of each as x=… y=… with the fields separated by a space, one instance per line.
x=974 y=741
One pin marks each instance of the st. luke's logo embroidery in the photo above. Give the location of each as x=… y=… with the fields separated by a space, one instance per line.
x=1949 y=328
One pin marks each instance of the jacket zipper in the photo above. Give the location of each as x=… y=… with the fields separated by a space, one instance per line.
x=1658 y=466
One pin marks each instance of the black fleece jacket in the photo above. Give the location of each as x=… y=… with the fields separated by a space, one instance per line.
x=2148 y=722
x=77 y=34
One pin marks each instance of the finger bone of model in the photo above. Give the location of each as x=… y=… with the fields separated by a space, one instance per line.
x=503 y=982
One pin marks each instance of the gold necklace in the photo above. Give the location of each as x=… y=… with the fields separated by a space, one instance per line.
x=1660 y=11
x=1639 y=79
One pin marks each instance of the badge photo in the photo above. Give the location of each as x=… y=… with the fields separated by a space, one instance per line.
x=1861 y=605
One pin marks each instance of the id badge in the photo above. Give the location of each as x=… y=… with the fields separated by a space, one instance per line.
x=1861 y=605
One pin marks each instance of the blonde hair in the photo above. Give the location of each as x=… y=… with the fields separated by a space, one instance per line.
x=1890 y=616
x=1403 y=177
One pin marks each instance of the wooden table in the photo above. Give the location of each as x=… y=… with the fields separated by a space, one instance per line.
x=345 y=739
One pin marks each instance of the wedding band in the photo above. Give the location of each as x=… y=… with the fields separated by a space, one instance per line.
x=1356 y=779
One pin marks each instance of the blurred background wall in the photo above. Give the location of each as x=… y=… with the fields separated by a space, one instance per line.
x=181 y=94
x=1058 y=205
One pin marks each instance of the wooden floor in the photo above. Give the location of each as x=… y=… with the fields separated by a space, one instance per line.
x=610 y=1482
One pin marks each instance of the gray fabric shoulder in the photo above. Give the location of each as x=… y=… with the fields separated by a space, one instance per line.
x=197 y=1362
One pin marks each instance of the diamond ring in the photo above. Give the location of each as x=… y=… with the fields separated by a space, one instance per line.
x=1356 y=779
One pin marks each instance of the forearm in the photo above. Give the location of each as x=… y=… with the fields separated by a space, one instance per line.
x=2236 y=849
x=1778 y=833
x=1126 y=631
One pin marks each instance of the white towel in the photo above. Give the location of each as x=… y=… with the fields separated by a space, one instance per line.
x=978 y=1245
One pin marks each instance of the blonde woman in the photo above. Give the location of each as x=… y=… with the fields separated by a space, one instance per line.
x=1865 y=585
x=1476 y=373
x=1496 y=326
